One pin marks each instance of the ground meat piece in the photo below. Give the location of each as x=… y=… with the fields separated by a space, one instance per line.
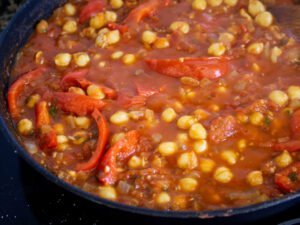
x=222 y=128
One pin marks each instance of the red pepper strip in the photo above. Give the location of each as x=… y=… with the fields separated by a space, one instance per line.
x=144 y=10
x=102 y=141
x=47 y=135
x=114 y=26
x=295 y=123
x=77 y=78
x=288 y=179
x=79 y=104
x=290 y=146
x=120 y=151
x=91 y=9
x=18 y=87
x=206 y=67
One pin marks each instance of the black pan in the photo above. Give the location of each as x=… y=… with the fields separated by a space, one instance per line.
x=11 y=40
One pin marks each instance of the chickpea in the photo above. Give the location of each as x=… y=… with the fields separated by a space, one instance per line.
x=95 y=91
x=214 y=3
x=180 y=26
x=163 y=198
x=111 y=16
x=70 y=27
x=188 y=184
x=244 y=14
x=59 y=128
x=42 y=27
x=201 y=114
x=63 y=59
x=149 y=37
x=82 y=122
x=137 y=115
x=113 y=37
x=169 y=115
x=98 y=21
x=161 y=43
x=167 y=148
x=116 y=4
x=242 y=144
x=70 y=9
x=185 y=122
x=231 y=2
x=197 y=131
x=81 y=59
x=216 y=49
x=264 y=19
x=256 y=48
x=76 y=90
x=135 y=162
x=255 y=7
x=199 y=5
x=256 y=118
x=32 y=100
x=62 y=147
x=39 y=58
x=278 y=97
x=206 y=165
x=25 y=127
x=182 y=138
x=62 y=139
x=294 y=92
x=187 y=160
x=89 y=32
x=226 y=38
x=255 y=178
x=200 y=146
x=108 y=192
x=284 y=159
x=117 y=55
x=119 y=118
x=229 y=156
x=223 y=175
x=129 y=59
x=275 y=53
x=117 y=137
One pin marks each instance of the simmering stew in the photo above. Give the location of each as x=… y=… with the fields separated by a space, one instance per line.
x=164 y=104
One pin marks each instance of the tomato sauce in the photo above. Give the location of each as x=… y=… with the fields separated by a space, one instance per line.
x=171 y=105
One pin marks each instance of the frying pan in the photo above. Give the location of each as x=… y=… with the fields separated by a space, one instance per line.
x=11 y=40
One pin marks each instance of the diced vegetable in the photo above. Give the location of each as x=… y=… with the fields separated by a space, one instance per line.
x=288 y=179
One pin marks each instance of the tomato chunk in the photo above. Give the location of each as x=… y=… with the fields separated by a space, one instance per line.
x=79 y=104
x=295 y=123
x=91 y=9
x=102 y=141
x=206 y=67
x=18 y=87
x=288 y=179
x=291 y=146
x=123 y=149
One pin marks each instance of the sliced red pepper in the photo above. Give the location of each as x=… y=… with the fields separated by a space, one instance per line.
x=46 y=134
x=295 y=123
x=291 y=146
x=79 y=104
x=102 y=141
x=18 y=87
x=123 y=149
x=144 y=10
x=78 y=78
x=288 y=179
x=120 y=27
x=91 y=9
x=205 y=67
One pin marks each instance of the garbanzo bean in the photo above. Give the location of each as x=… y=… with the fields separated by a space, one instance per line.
x=275 y=53
x=63 y=59
x=117 y=55
x=284 y=159
x=167 y=148
x=223 y=175
x=199 y=5
x=256 y=118
x=70 y=9
x=70 y=27
x=216 y=49
x=108 y=192
x=82 y=122
x=206 y=165
x=79 y=137
x=180 y=26
x=279 y=97
x=119 y=118
x=135 y=162
x=255 y=7
x=264 y=19
x=182 y=138
x=185 y=122
x=200 y=146
x=129 y=59
x=25 y=127
x=62 y=139
x=116 y=4
x=32 y=100
x=197 y=131
x=98 y=21
x=231 y=2
x=42 y=27
x=256 y=48
x=229 y=156
x=81 y=59
x=113 y=37
x=214 y=3
x=242 y=144
x=110 y=16
x=149 y=37
x=59 y=128
x=116 y=137
x=294 y=92
x=187 y=160
x=76 y=90
x=161 y=43
x=255 y=178
x=95 y=91
x=163 y=198
x=188 y=184
x=168 y=115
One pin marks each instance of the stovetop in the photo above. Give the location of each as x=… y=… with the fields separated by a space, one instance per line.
x=27 y=198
